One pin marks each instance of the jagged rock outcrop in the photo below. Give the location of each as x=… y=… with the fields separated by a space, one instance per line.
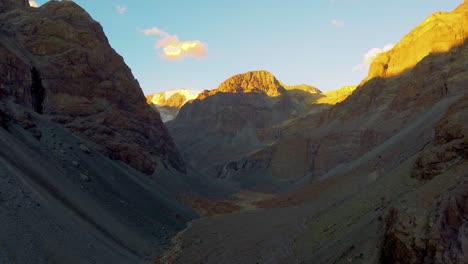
x=59 y=62
x=169 y=102
x=435 y=233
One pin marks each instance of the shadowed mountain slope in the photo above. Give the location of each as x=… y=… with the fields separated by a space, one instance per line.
x=228 y=122
x=85 y=84
x=77 y=142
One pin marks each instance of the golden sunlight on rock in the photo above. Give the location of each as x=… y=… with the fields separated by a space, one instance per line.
x=336 y=96
x=249 y=82
x=437 y=34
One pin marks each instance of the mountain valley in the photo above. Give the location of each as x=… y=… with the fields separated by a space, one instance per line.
x=253 y=171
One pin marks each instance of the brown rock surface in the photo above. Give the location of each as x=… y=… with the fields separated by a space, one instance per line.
x=249 y=82
x=450 y=143
x=86 y=85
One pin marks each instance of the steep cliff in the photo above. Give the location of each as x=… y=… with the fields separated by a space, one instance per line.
x=65 y=68
x=70 y=112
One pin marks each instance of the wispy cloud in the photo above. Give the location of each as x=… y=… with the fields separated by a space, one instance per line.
x=121 y=9
x=337 y=23
x=155 y=31
x=33 y=4
x=172 y=48
x=370 y=56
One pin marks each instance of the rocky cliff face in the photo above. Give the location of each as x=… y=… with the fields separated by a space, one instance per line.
x=250 y=82
x=59 y=63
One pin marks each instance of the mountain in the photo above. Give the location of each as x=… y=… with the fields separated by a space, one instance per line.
x=336 y=96
x=87 y=108
x=83 y=159
x=379 y=178
x=169 y=102
x=224 y=122
x=303 y=87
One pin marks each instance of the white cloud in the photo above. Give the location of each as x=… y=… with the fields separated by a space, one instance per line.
x=154 y=31
x=173 y=49
x=370 y=56
x=33 y=4
x=121 y=9
x=337 y=23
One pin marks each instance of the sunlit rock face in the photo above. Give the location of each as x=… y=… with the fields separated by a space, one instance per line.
x=303 y=87
x=249 y=82
x=336 y=96
x=84 y=84
x=437 y=34
x=169 y=102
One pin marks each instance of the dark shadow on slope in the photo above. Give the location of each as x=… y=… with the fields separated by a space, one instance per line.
x=396 y=105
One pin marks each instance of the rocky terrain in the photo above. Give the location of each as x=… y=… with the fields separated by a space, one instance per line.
x=169 y=102
x=254 y=171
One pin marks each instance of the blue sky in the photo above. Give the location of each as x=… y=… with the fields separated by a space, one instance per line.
x=321 y=43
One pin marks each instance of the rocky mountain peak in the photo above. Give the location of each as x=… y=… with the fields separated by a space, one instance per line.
x=303 y=87
x=253 y=81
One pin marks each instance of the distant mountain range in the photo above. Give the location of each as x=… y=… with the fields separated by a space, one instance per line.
x=171 y=101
